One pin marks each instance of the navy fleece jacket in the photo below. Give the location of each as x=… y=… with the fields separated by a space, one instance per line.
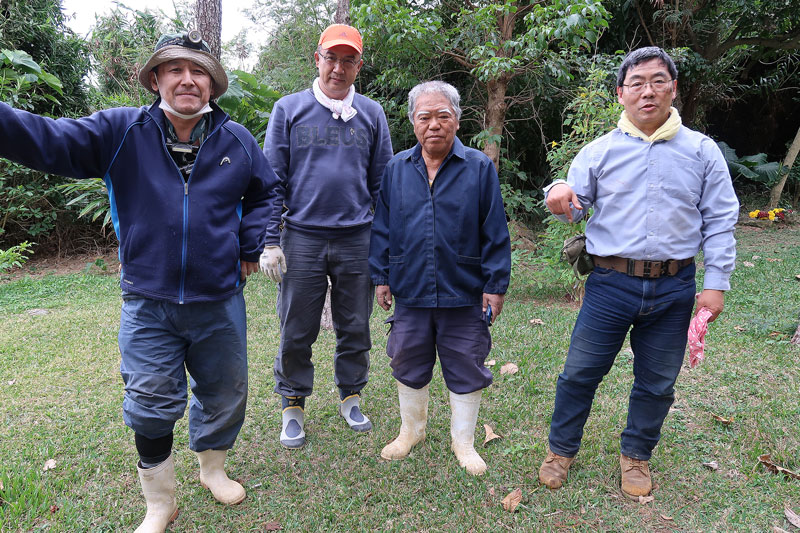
x=179 y=241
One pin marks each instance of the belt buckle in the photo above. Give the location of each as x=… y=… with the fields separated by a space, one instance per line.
x=647 y=269
x=670 y=267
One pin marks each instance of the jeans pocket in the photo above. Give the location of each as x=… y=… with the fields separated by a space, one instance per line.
x=603 y=272
x=686 y=275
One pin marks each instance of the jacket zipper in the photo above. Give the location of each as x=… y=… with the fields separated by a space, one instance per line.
x=185 y=237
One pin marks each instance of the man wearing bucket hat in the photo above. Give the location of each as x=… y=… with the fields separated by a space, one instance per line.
x=190 y=194
x=328 y=145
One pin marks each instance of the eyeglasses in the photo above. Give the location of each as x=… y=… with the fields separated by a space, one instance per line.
x=345 y=63
x=659 y=86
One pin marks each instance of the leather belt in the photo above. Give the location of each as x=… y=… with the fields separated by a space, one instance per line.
x=641 y=267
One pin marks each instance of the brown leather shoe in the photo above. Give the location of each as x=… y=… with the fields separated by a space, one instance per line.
x=635 y=477
x=553 y=472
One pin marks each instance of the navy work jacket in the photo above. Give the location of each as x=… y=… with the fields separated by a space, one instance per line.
x=445 y=245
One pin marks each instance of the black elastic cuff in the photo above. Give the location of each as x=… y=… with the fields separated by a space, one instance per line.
x=293 y=401
x=153 y=451
x=343 y=393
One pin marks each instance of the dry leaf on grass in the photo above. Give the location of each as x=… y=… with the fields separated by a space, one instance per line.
x=797 y=277
x=775 y=334
x=490 y=362
x=53 y=509
x=536 y=321
x=756 y=257
x=509 y=368
x=665 y=517
x=490 y=434
x=776 y=529
x=776 y=469
x=511 y=501
x=1 y=485
x=49 y=465
x=646 y=499
x=12 y=381
x=272 y=526
x=774 y=259
x=722 y=420
x=747 y=264
x=792 y=517
x=738 y=328
x=712 y=465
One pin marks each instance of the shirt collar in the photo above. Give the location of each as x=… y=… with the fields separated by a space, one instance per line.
x=217 y=117
x=456 y=150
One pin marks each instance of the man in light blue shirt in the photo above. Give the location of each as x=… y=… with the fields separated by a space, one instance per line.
x=660 y=193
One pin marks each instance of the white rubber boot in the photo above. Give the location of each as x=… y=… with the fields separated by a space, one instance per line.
x=414 y=418
x=462 y=430
x=158 y=487
x=213 y=477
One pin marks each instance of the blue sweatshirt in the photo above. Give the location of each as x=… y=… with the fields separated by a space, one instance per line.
x=329 y=170
x=178 y=241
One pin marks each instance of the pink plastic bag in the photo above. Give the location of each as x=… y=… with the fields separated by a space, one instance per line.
x=697 y=336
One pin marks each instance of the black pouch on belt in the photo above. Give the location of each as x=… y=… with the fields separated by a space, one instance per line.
x=574 y=252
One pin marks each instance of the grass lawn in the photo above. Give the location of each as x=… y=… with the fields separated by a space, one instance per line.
x=61 y=394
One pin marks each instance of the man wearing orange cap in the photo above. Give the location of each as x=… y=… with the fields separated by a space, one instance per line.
x=328 y=146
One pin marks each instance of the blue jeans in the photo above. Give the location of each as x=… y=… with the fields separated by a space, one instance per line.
x=301 y=297
x=159 y=342
x=657 y=312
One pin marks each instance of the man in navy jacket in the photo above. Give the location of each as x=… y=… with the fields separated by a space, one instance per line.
x=190 y=195
x=440 y=248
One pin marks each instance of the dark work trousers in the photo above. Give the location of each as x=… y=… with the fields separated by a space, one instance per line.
x=301 y=297
x=460 y=335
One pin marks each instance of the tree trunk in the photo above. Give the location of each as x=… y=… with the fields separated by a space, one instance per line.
x=791 y=155
x=342 y=12
x=208 y=14
x=688 y=103
x=495 y=116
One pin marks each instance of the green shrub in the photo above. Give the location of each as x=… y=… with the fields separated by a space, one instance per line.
x=249 y=102
x=591 y=113
x=15 y=256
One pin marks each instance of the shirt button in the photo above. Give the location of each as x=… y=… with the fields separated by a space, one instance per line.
x=651 y=209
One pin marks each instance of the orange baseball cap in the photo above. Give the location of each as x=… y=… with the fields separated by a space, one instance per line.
x=337 y=34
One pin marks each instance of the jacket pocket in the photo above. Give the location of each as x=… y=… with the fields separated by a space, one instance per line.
x=468 y=260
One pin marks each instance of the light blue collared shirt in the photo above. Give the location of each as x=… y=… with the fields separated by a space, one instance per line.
x=658 y=201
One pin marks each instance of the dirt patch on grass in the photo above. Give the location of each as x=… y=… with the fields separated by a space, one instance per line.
x=774 y=237
x=100 y=262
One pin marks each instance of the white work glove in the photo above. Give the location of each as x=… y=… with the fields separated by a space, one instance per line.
x=273 y=263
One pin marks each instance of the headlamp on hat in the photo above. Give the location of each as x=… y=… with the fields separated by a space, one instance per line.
x=191 y=39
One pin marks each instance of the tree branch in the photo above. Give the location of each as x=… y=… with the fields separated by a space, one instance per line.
x=644 y=24
x=460 y=59
x=787 y=42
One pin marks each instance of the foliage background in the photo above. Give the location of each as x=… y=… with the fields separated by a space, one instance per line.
x=517 y=64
